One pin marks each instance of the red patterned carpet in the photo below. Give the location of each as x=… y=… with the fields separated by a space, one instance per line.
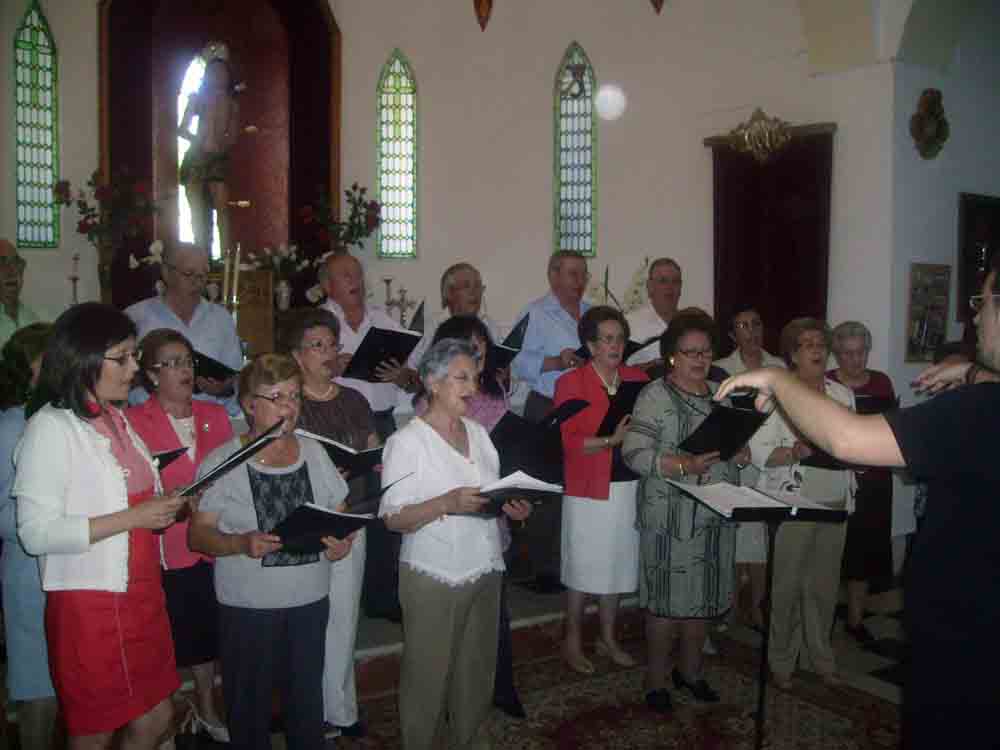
x=567 y=711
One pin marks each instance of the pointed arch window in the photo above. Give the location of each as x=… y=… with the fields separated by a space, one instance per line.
x=575 y=154
x=36 y=131
x=396 y=154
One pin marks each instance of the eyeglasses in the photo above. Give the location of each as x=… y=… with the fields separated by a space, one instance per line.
x=292 y=399
x=977 y=301
x=611 y=340
x=746 y=324
x=176 y=363
x=135 y=355
x=322 y=346
x=697 y=353
x=189 y=275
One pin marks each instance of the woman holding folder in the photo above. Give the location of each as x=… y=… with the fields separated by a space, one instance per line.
x=273 y=604
x=599 y=552
x=686 y=551
x=172 y=419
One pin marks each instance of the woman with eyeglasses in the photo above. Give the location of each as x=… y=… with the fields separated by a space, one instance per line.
x=747 y=333
x=273 y=605
x=171 y=419
x=807 y=555
x=600 y=546
x=342 y=414
x=685 y=550
x=88 y=501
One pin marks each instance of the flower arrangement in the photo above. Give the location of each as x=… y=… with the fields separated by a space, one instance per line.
x=155 y=257
x=599 y=292
x=284 y=261
x=363 y=218
x=110 y=211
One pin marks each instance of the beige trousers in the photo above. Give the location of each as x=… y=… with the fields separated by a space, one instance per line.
x=804 y=596
x=449 y=660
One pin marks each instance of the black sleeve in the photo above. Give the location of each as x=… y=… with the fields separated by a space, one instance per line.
x=954 y=433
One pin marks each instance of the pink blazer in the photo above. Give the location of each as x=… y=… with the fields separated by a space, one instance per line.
x=587 y=475
x=212 y=429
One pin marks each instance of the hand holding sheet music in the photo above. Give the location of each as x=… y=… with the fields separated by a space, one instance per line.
x=305 y=528
x=379 y=347
x=516 y=486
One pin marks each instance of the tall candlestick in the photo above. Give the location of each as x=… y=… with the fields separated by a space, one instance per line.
x=225 y=279
x=236 y=278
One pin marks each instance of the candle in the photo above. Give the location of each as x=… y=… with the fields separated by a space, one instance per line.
x=225 y=279
x=236 y=277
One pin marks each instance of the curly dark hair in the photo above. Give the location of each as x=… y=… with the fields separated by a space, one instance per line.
x=24 y=347
x=591 y=320
x=682 y=324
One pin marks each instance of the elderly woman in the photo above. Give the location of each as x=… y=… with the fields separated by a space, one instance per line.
x=274 y=605
x=806 y=555
x=451 y=563
x=88 y=502
x=342 y=414
x=600 y=545
x=171 y=419
x=746 y=331
x=685 y=549
x=868 y=549
x=28 y=681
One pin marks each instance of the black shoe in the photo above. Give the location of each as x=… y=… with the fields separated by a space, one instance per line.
x=546 y=584
x=659 y=701
x=511 y=705
x=861 y=634
x=700 y=689
x=355 y=730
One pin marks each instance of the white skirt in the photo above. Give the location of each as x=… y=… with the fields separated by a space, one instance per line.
x=600 y=544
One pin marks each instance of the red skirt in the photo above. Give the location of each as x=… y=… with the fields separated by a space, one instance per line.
x=111 y=655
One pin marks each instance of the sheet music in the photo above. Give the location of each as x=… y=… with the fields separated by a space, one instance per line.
x=724 y=497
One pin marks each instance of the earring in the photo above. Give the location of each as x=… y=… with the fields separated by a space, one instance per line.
x=156 y=383
x=671 y=361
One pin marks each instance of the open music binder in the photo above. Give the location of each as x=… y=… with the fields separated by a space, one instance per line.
x=163 y=459
x=344 y=456
x=499 y=356
x=515 y=486
x=748 y=504
x=535 y=449
x=237 y=459
x=378 y=346
x=726 y=429
x=305 y=526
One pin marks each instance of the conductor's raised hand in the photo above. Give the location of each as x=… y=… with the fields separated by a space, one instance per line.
x=158 y=512
x=948 y=373
x=464 y=500
x=761 y=380
x=337 y=549
x=256 y=544
x=517 y=510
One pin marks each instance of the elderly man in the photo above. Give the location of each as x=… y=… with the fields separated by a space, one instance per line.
x=549 y=350
x=15 y=314
x=343 y=280
x=663 y=287
x=209 y=327
x=948 y=442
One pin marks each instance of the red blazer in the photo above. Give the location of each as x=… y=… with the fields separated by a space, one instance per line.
x=212 y=429
x=587 y=475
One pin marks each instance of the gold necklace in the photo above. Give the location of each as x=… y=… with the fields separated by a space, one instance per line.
x=319 y=396
x=611 y=389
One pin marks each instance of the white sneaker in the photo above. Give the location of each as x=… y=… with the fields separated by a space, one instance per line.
x=709 y=648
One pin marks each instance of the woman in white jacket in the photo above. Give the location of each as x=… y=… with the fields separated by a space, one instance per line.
x=806 y=555
x=87 y=504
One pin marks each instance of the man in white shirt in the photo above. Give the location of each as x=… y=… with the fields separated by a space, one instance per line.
x=13 y=313
x=343 y=280
x=663 y=287
x=209 y=327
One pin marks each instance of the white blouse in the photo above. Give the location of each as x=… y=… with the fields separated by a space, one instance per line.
x=453 y=549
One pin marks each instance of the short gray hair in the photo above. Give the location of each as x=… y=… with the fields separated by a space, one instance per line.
x=448 y=278
x=556 y=259
x=436 y=360
x=851 y=329
x=170 y=249
x=663 y=262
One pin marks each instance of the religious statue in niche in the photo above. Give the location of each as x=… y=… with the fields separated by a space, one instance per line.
x=204 y=168
x=928 y=125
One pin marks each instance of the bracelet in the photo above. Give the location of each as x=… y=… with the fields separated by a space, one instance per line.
x=680 y=468
x=607 y=442
x=970 y=374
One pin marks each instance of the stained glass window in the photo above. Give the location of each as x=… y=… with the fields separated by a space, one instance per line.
x=575 y=155
x=36 y=136
x=396 y=152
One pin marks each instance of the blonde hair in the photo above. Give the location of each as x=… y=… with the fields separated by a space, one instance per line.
x=267 y=369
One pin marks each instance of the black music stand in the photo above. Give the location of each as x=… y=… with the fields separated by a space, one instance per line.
x=772 y=512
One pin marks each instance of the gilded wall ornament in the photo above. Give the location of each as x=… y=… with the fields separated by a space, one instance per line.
x=761 y=136
x=928 y=125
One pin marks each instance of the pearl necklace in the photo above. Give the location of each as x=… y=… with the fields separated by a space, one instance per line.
x=612 y=389
x=319 y=396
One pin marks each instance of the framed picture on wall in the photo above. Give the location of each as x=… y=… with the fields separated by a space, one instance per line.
x=927 y=314
x=978 y=240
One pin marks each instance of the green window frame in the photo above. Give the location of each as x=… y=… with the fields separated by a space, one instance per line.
x=575 y=155
x=36 y=131
x=396 y=159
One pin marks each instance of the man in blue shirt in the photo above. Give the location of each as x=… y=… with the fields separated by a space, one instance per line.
x=209 y=327
x=549 y=350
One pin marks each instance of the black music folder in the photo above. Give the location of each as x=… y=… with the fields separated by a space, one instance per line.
x=622 y=404
x=305 y=526
x=631 y=347
x=515 y=486
x=344 y=456
x=535 y=449
x=747 y=504
x=237 y=459
x=417 y=324
x=378 y=346
x=165 y=458
x=726 y=429
x=499 y=356
x=209 y=367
